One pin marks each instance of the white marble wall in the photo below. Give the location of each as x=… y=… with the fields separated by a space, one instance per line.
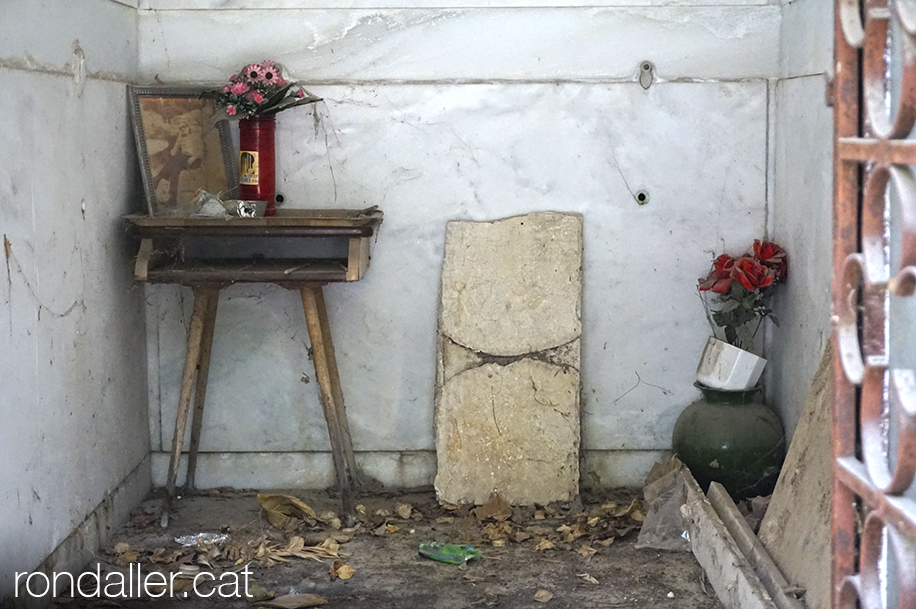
x=800 y=218
x=472 y=113
x=72 y=349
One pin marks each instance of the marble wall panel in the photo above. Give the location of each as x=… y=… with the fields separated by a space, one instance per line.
x=806 y=35
x=44 y=36
x=429 y=154
x=802 y=223
x=417 y=45
x=73 y=361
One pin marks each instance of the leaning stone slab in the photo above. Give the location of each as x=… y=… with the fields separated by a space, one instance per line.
x=796 y=528
x=507 y=391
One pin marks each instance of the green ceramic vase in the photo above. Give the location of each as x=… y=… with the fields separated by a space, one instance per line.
x=732 y=438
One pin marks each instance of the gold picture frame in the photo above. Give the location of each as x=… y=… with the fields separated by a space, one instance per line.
x=181 y=151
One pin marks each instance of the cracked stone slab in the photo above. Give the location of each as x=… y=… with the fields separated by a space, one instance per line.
x=513 y=429
x=513 y=286
x=507 y=388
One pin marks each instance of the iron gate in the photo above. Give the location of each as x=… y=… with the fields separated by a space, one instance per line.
x=874 y=403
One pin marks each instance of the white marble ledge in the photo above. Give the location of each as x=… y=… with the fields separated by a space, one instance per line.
x=166 y=5
x=447 y=45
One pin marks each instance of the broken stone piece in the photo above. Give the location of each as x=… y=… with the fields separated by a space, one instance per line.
x=507 y=394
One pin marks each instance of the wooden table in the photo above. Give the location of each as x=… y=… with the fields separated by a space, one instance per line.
x=296 y=249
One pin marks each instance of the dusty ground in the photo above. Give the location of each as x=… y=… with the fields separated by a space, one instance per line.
x=581 y=570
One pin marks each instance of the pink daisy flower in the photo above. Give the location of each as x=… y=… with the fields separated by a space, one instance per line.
x=253 y=72
x=239 y=88
x=269 y=76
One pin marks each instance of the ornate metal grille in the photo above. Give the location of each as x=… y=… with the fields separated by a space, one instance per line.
x=874 y=408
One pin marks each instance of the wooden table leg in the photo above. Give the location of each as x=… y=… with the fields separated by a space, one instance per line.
x=200 y=391
x=336 y=392
x=319 y=339
x=202 y=297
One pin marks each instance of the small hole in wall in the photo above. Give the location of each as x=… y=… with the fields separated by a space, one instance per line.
x=278 y=199
x=642 y=197
x=647 y=66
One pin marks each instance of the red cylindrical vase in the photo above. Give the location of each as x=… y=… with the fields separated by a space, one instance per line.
x=257 y=171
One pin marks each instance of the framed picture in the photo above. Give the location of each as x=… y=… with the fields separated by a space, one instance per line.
x=182 y=151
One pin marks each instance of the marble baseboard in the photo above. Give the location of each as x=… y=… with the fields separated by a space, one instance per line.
x=396 y=469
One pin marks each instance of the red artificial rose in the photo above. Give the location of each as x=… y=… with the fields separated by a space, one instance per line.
x=773 y=256
x=751 y=274
x=719 y=280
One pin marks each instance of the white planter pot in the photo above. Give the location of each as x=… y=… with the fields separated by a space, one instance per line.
x=724 y=366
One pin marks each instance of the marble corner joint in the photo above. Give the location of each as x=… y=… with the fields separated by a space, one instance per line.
x=507 y=388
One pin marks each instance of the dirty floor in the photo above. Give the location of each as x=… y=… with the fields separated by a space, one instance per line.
x=576 y=555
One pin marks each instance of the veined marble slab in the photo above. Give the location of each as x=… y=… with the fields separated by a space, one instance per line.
x=466 y=44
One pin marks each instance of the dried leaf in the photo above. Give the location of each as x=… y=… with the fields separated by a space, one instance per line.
x=445 y=520
x=539 y=515
x=587 y=578
x=121 y=548
x=126 y=558
x=181 y=583
x=159 y=557
x=498 y=543
x=543 y=596
x=586 y=551
x=296 y=544
x=282 y=508
x=330 y=518
x=450 y=507
x=404 y=510
x=545 y=544
x=257 y=592
x=345 y=572
x=294 y=601
x=539 y=531
x=495 y=508
x=626 y=511
x=637 y=516
x=607 y=542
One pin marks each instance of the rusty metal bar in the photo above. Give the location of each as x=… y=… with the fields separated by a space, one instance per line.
x=881 y=152
x=846 y=120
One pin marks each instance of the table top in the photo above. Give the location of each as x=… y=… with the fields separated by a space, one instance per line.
x=287 y=222
x=166 y=254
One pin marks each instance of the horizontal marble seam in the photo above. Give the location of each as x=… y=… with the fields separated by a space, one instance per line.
x=27 y=64
x=468 y=7
x=571 y=80
x=544 y=355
